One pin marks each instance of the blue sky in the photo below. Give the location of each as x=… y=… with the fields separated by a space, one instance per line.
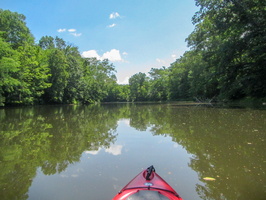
x=135 y=35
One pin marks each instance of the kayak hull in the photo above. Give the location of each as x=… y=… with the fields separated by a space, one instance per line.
x=147 y=185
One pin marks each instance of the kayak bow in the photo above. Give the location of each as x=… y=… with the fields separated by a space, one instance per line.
x=147 y=185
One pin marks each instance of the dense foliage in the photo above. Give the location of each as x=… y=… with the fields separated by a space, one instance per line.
x=227 y=55
x=226 y=61
x=51 y=71
x=230 y=38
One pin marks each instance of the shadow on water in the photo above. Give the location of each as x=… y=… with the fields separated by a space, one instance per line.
x=226 y=144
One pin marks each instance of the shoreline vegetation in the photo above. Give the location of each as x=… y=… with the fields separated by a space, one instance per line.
x=226 y=63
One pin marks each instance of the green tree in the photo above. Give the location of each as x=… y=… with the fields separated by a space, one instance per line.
x=231 y=36
x=23 y=70
x=178 y=78
x=124 y=93
x=58 y=65
x=71 y=66
x=14 y=29
x=98 y=77
x=159 y=84
x=139 y=86
x=9 y=66
x=47 y=42
x=33 y=75
x=75 y=71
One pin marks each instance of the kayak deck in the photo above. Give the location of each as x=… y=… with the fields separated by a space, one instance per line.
x=147 y=185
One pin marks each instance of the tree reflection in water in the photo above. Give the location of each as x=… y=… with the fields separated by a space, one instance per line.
x=47 y=137
x=226 y=144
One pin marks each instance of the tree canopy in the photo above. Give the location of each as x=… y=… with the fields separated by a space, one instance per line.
x=226 y=61
x=50 y=71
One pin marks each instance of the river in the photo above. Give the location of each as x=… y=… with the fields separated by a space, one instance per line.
x=91 y=152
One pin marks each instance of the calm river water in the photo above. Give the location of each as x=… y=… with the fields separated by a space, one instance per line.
x=91 y=152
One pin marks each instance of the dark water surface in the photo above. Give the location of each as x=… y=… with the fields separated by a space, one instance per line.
x=91 y=152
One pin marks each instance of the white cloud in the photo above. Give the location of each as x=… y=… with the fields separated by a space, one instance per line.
x=90 y=54
x=113 y=55
x=124 y=121
x=174 y=56
x=125 y=53
x=111 y=26
x=127 y=122
x=175 y=145
x=61 y=30
x=125 y=81
x=93 y=152
x=160 y=61
x=72 y=30
x=76 y=34
x=114 y=15
x=114 y=149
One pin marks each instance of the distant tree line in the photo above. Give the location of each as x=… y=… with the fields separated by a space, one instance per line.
x=226 y=61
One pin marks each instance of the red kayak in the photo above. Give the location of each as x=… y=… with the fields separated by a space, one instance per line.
x=147 y=185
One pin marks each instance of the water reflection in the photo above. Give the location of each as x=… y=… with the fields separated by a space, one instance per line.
x=113 y=149
x=224 y=144
x=228 y=145
x=50 y=138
